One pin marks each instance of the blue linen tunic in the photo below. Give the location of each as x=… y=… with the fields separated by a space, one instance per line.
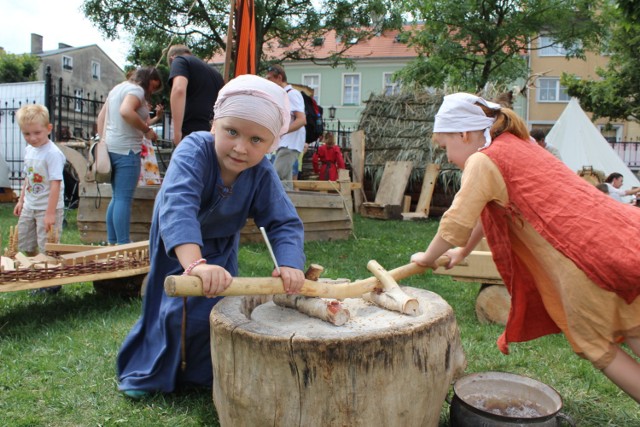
x=193 y=206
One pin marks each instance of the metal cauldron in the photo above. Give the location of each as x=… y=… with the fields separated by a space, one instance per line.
x=500 y=399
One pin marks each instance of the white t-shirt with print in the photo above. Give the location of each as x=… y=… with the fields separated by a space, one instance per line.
x=41 y=166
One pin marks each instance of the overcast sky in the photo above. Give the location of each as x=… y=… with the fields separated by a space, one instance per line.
x=57 y=21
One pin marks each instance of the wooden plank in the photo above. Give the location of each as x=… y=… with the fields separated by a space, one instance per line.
x=483 y=280
x=322 y=185
x=134 y=227
x=104 y=252
x=309 y=199
x=91 y=189
x=373 y=210
x=63 y=248
x=428 y=185
x=328 y=230
x=482 y=245
x=324 y=234
x=251 y=227
x=357 y=166
x=479 y=266
x=7 y=263
x=116 y=274
x=406 y=204
x=393 y=183
x=24 y=260
x=308 y=215
x=98 y=237
x=344 y=180
x=91 y=211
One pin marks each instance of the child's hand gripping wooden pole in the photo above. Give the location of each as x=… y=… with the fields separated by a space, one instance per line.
x=184 y=286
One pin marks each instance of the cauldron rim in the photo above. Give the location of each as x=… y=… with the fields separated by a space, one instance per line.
x=498 y=375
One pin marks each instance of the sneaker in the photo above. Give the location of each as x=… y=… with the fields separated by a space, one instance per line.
x=135 y=394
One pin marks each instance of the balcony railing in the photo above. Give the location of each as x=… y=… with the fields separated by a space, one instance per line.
x=629 y=152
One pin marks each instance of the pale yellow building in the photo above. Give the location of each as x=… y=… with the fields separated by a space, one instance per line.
x=546 y=98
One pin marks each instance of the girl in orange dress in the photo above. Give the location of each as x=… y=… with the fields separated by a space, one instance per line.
x=568 y=253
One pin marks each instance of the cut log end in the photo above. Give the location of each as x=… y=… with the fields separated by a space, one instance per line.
x=399 y=302
x=493 y=304
x=411 y=307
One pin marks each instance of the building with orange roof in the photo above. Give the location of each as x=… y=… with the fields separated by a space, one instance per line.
x=375 y=61
x=345 y=88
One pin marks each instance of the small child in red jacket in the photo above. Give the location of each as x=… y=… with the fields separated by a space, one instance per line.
x=328 y=159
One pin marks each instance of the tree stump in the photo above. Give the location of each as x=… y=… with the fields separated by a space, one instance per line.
x=493 y=304
x=382 y=368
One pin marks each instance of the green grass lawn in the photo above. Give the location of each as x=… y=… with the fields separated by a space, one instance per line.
x=58 y=352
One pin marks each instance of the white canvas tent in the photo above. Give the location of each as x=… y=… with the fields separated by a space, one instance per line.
x=581 y=144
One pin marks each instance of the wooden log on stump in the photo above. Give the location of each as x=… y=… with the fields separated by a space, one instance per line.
x=382 y=368
x=328 y=310
x=391 y=296
x=493 y=304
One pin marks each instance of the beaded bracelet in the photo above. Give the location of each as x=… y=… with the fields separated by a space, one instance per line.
x=193 y=265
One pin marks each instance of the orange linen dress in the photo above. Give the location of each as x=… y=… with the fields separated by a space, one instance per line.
x=593 y=319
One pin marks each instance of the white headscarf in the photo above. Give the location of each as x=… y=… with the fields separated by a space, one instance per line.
x=257 y=99
x=458 y=113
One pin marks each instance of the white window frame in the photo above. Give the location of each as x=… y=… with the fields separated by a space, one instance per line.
x=618 y=129
x=95 y=70
x=560 y=92
x=356 y=88
x=78 y=94
x=314 y=85
x=551 y=48
x=67 y=63
x=390 y=87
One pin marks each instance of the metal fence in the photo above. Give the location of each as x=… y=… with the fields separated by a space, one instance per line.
x=629 y=152
x=73 y=114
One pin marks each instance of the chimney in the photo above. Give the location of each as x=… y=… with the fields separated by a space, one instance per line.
x=63 y=45
x=36 y=43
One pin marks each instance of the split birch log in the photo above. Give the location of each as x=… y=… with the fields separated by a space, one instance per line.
x=328 y=310
x=282 y=368
x=391 y=297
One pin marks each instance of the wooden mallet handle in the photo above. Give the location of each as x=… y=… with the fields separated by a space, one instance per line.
x=189 y=286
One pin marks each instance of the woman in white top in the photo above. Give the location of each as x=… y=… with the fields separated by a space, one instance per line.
x=614 y=182
x=123 y=119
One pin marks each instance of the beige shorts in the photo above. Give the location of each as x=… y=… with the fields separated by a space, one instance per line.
x=32 y=234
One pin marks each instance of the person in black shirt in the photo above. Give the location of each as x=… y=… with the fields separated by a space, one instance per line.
x=194 y=89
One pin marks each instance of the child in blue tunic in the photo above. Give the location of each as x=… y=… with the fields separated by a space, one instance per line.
x=215 y=181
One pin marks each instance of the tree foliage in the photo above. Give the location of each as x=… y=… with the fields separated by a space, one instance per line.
x=202 y=24
x=16 y=68
x=616 y=94
x=468 y=44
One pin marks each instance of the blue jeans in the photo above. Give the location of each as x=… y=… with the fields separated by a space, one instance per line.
x=125 y=171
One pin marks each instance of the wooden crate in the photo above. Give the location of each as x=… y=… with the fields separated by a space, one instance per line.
x=324 y=216
x=92 y=212
x=326 y=213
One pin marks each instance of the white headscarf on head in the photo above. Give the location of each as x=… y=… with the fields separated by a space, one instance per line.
x=257 y=99
x=458 y=113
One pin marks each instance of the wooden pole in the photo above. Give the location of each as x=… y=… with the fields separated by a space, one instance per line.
x=229 y=49
x=192 y=285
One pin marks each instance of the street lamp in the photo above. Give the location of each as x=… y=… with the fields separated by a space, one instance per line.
x=332 y=112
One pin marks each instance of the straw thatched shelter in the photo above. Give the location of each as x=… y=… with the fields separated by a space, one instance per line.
x=399 y=128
